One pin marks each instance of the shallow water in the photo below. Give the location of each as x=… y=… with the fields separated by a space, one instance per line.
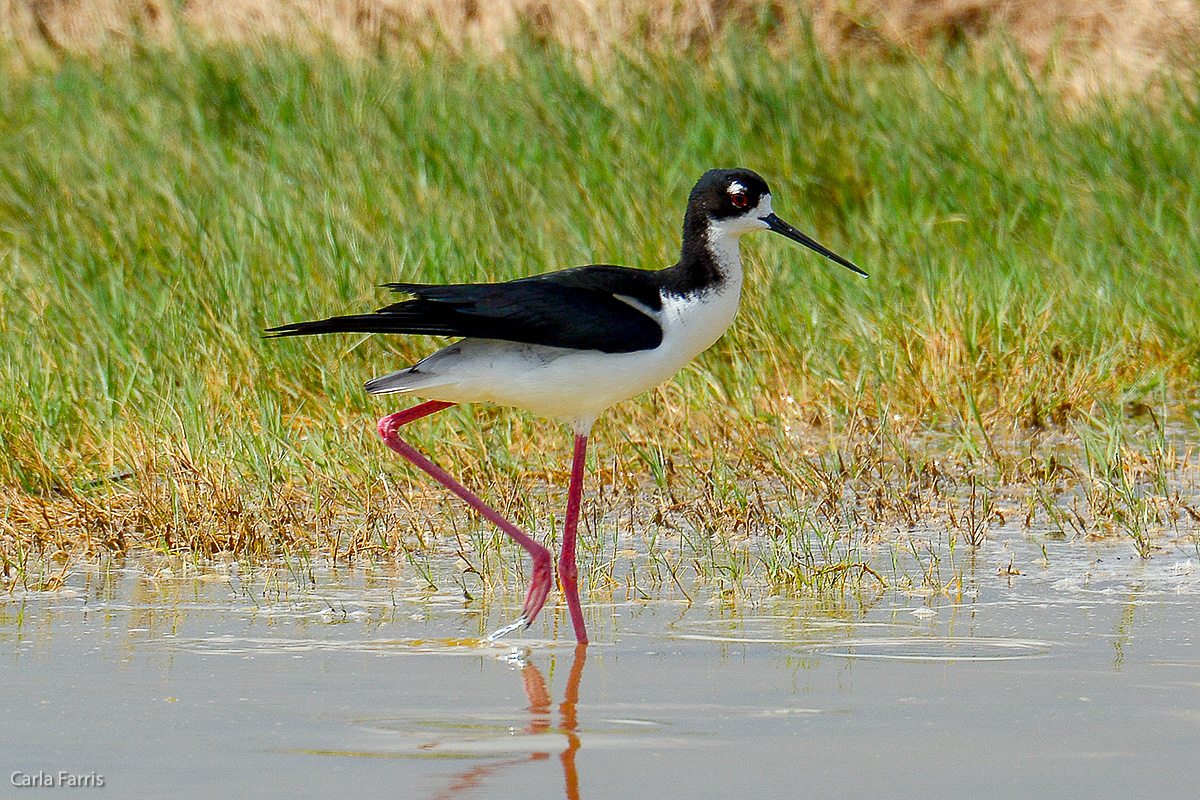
x=1080 y=677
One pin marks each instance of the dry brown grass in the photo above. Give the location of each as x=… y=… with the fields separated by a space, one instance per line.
x=1087 y=44
x=1082 y=45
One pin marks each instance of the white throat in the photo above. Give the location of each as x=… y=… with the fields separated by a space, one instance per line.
x=723 y=235
x=723 y=245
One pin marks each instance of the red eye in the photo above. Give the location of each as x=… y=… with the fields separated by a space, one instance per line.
x=739 y=200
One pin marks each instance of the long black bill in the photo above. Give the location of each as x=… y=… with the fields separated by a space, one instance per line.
x=779 y=226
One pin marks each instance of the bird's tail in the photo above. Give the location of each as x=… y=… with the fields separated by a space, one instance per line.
x=351 y=323
x=410 y=379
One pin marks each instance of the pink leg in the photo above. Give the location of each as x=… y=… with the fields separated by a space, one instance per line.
x=568 y=573
x=543 y=560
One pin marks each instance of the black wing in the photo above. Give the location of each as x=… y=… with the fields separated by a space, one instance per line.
x=580 y=308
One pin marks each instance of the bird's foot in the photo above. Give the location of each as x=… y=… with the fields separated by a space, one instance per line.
x=539 y=589
x=540 y=584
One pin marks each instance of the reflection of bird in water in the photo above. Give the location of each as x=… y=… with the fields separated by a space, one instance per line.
x=465 y=783
x=569 y=344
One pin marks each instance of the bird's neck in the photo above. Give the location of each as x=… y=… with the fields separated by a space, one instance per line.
x=711 y=257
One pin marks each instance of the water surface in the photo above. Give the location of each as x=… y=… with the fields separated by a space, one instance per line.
x=1079 y=677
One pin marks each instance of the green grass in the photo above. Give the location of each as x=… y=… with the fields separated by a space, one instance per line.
x=1033 y=290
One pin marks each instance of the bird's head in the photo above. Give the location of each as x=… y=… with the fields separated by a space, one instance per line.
x=738 y=201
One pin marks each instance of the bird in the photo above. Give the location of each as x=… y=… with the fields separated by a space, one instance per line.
x=569 y=344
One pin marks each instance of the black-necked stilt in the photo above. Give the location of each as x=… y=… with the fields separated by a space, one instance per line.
x=570 y=344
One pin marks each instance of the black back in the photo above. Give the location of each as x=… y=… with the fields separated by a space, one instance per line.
x=577 y=308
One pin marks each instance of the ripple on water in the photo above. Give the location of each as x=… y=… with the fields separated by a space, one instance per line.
x=935 y=648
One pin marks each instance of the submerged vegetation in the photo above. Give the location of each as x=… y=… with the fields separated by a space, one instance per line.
x=1023 y=357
